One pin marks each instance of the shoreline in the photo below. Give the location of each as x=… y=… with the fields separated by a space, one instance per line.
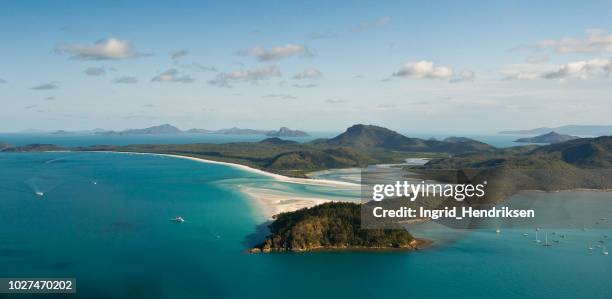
x=268 y=202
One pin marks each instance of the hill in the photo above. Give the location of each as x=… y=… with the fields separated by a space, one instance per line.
x=286 y=132
x=330 y=226
x=161 y=129
x=551 y=137
x=583 y=130
x=370 y=136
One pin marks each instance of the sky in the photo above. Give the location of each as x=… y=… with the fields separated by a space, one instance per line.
x=413 y=66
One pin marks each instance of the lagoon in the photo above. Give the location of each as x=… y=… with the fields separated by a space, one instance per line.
x=115 y=237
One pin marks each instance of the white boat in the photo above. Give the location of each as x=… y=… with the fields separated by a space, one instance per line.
x=604 y=251
x=590 y=247
x=40 y=193
x=178 y=219
x=546 y=244
x=536 y=239
x=498 y=231
x=525 y=234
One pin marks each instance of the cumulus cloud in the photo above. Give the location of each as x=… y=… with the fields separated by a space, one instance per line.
x=94 y=71
x=308 y=74
x=596 y=40
x=582 y=69
x=276 y=53
x=106 y=49
x=45 y=86
x=252 y=76
x=173 y=75
x=179 y=54
x=424 y=70
x=378 y=23
x=126 y=80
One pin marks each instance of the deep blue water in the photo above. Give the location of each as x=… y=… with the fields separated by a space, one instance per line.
x=103 y=219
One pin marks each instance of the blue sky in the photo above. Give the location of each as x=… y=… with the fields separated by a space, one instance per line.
x=477 y=66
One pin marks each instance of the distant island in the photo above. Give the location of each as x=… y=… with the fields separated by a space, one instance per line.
x=331 y=226
x=552 y=137
x=583 y=130
x=170 y=129
x=360 y=145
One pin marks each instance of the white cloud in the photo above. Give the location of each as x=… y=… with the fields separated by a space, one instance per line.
x=253 y=75
x=126 y=80
x=194 y=66
x=308 y=74
x=424 y=70
x=582 y=69
x=94 y=71
x=107 y=49
x=276 y=53
x=596 y=40
x=46 y=86
x=173 y=75
x=378 y=23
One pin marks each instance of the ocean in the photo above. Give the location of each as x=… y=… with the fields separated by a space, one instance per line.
x=104 y=219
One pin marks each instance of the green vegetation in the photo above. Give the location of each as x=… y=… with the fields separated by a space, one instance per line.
x=576 y=164
x=330 y=226
x=551 y=137
x=359 y=146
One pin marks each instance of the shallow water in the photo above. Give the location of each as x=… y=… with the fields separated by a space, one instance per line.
x=103 y=219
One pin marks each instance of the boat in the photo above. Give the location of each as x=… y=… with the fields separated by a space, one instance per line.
x=546 y=244
x=590 y=247
x=604 y=251
x=498 y=231
x=536 y=238
x=178 y=219
x=40 y=193
x=525 y=234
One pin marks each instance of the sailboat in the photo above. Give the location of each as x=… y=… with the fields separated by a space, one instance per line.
x=590 y=247
x=546 y=244
x=536 y=239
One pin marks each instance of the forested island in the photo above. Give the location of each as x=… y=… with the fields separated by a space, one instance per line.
x=331 y=226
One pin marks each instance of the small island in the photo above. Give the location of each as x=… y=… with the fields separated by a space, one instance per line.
x=552 y=137
x=332 y=226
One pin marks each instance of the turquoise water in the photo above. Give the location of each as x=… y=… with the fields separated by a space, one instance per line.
x=103 y=219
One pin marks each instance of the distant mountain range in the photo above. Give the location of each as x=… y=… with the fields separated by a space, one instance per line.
x=170 y=129
x=552 y=137
x=584 y=130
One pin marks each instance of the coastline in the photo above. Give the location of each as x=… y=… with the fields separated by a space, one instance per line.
x=269 y=202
